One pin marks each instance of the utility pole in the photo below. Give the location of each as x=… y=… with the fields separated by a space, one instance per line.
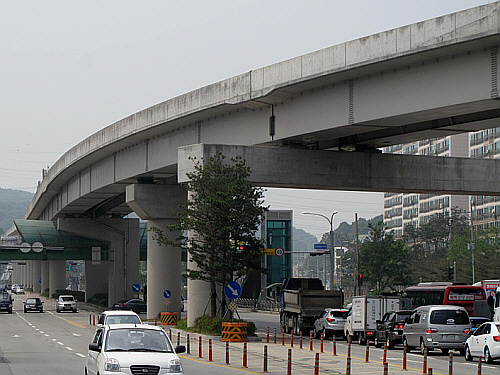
x=358 y=287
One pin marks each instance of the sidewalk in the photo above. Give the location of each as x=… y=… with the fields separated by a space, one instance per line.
x=303 y=361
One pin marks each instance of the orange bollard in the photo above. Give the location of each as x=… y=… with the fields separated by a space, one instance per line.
x=348 y=366
x=265 y=359
x=170 y=333
x=209 y=350
x=267 y=336
x=300 y=341
x=334 y=346
x=385 y=354
x=93 y=320
x=275 y=335
x=310 y=341
x=429 y=372
x=245 y=355
x=199 y=348
x=404 y=357
x=321 y=346
x=291 y=340
x=386 y=368
x=367 y=354
x=227 y=353
x=282 y=337
x=316 y=365
x=90 y=319
x=178 y=338
x=289 y=366
x=479 y=366
x=349 y=347
x=450 y=363
x=424 y=367
x=188 y=351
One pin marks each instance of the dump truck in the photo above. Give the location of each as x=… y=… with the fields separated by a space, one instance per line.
x=362 y=319
x=302 y=301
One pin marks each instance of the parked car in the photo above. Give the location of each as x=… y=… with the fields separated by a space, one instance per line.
x=118 y=317
x=442 y=327
x=330 y=322
x=136 y=305
x=476 y=321
x=485 y=342
x=33 y=304
x=389 y=330
x=132 y=349
x=6 y=301
x=66 y=303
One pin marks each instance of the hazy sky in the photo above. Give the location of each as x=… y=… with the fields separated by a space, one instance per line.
x=70 y=68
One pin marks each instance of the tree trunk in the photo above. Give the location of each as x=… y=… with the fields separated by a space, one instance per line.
x=213 y=299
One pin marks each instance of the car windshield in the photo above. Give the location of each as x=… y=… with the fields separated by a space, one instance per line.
x=339 y=314
x=5 y=297
x=449 y=317
x=31 y=300
x=67 y=298
x=136 y=339
x=123 y=319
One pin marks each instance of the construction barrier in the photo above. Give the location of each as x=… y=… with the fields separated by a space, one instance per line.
x=234 y=332
x=168 y=318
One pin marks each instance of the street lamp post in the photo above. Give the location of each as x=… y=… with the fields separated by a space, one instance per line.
x=333 y=257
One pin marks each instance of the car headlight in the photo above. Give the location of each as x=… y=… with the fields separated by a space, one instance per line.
x=112 y=364
x=175 y=365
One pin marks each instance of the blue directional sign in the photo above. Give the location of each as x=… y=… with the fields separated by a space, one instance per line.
x=136 y=288
x=320 y=246
x=167 y=293
x=232 y=290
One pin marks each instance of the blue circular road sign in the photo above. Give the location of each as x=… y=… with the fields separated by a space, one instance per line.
x=136 y=288
x=232 y=290
x=167 y=293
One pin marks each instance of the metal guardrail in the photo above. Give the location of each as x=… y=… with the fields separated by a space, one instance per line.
x=258 y=304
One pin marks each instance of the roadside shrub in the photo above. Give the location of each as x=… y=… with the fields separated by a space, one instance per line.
x=208 y=325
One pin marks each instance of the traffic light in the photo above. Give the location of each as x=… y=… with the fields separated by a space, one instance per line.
x=451 y=272
x=360 y=278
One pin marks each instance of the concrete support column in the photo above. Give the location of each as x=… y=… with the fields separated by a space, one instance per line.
x=57 y=275
x=29 y=274
x=123 y=264
x=37 y=274
x=159 y=204
x=96 y=278
x=44 y=276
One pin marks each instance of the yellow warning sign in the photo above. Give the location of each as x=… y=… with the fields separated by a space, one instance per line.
x=168 y=318
x=268 y=251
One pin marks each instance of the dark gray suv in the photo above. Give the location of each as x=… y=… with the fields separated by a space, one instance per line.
x=389 y=330
x=6 y=302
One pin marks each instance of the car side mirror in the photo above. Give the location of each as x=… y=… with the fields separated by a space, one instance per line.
x=180 y=349
x=94 y=347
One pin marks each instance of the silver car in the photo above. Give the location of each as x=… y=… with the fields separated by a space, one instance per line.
x=441 y=327
x=330 y=322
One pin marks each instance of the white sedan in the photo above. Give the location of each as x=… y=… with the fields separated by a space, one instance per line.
x=485 y=342
x=132 y=349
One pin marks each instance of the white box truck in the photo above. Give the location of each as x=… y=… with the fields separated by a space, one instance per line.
x=361 y=323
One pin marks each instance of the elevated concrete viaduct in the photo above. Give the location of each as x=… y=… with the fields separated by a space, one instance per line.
x=425 y=80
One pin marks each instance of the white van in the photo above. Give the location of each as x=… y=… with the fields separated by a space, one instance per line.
x=441 y=327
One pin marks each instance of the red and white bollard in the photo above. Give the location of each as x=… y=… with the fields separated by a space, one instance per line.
x=385 y=354
x=245 y=355
x=227 y=353
x=275 y=335
x=265 y=359
x=310 y=341
x=479 y=365
x=367 y=353
x=300 y=340
x=209 y=350
x=199 y=348
x=404 y=357
x=321 y=346
x=348 y=366
x=267 y=336
x=386 y=368
x=291 y=340
x=349 y=347
x=334 y=346
x=424 y=367
x=316 y=365
x=289 y=366
x=282 y=337
x=178 y=338
x=188 y=351
x=450 y=363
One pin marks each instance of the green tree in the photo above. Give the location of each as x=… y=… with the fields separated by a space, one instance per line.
x=219 y=223
x=384 y=260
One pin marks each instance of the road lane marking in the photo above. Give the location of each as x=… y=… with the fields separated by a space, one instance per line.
x=71 y=349
x=81 y=355
x=60 y=343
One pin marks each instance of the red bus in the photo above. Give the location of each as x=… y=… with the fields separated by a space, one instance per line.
x=445 y=294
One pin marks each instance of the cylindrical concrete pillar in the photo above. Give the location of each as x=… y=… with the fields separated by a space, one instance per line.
x=57 y=275
x=37 y=274
x=163 y=265
x=44 y=285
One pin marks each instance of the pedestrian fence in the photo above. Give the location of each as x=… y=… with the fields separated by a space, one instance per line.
x=257 y=304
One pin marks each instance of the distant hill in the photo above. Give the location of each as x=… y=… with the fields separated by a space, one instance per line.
x=347 y=232
x=13 y=204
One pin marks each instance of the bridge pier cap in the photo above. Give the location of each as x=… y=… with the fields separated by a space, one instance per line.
x=284 y=167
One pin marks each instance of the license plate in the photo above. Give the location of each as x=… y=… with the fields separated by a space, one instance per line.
x=451 y=337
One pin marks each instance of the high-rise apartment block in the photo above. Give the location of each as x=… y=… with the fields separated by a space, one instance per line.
x=403 y=209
